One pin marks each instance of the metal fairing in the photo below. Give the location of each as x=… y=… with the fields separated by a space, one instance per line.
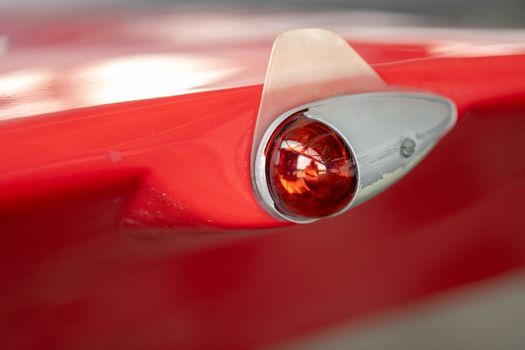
x=309 y=64
x=374 y=126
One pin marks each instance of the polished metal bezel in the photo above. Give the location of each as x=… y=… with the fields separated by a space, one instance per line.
x=261 y=187
x=367 y=123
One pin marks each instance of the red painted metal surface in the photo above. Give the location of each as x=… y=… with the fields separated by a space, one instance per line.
x=133 y=225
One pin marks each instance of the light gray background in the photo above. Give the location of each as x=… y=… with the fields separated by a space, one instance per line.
x=478 y=13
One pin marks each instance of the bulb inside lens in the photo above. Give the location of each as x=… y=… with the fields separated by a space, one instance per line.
x=310 y=170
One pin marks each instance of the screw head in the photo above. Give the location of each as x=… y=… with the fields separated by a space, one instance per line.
x=408 y=147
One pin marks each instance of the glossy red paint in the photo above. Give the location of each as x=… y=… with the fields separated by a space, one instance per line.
x=180 y=147
x=172 y=148
x=133 y=225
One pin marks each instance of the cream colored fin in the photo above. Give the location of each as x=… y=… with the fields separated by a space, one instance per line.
x=308 y=65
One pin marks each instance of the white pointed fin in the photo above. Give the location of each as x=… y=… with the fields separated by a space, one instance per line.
x=308 y=65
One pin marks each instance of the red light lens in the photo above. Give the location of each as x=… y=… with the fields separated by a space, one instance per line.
x=310 y=170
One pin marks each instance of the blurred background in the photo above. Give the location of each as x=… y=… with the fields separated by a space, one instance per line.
x=479 y=13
